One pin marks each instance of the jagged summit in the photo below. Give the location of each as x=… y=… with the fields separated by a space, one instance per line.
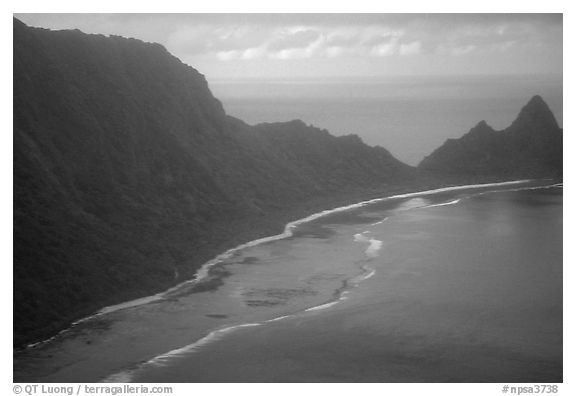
x=535 y=115
x=530 y=147
x=536 y=101
x=480 y=129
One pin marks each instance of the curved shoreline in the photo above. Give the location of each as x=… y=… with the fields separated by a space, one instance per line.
x=339 y=295
x=203 y=272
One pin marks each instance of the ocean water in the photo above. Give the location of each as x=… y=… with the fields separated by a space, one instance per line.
x=454 y=285
x=409 y=116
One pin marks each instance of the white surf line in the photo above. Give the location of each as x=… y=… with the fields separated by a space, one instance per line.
x=61 y=332
x=375 y=245
x=379 y=222
x=521 y=189
x=323 y=306
x=202 y=273
x=453 y=202
x=215 y=335
x=161 y=360
x=456 y=188
x=352 y=283
x=279 y=318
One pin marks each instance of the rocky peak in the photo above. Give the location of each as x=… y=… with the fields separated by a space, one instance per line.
x=481 y=127
x=481 y=130
x=535 y=115
x=530 y=147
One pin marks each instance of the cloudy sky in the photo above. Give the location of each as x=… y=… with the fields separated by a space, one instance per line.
x=231 y=46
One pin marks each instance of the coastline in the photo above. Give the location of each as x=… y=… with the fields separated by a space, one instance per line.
x=204 y=271
x=339 y=295
x=201 y=275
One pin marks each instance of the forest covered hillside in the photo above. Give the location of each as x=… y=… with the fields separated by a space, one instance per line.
x=128 y=174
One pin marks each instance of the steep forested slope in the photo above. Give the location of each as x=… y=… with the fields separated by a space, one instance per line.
x=128 y=174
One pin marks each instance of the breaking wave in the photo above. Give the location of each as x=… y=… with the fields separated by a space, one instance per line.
x=374 y=245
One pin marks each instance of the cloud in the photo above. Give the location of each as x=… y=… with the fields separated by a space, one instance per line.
x=345 y=43
x=463 y=50
x=336 y=51
x=291 y=42
x=308 y=41
x=412 y=48
x=385 y=49
x=228 y=55
x=291 y=36
x=205 y=39
x=253 y=53
x=297 y=39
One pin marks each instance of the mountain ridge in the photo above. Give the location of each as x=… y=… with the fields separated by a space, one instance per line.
x=127 y=171
x=531 y=147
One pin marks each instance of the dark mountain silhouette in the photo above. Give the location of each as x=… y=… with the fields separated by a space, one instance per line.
x=128 y=175
x=529 y=148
